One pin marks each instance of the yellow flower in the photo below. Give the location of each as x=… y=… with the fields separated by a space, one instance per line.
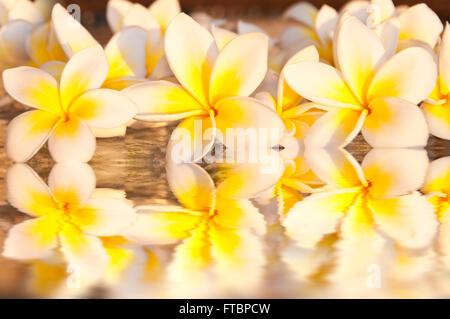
x=65 y=111
x=370 y=90
x=65 y=215
x=437 y=107
x=214 y=86
x=359 y=202
x=219 y=236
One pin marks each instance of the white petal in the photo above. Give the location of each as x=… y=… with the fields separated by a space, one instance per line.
x=110 y=216
x=33 y=87
x=303 y=12
x=395 y=122
x=104 y=108
x=72 y=141
x=162 y=101
x=325 y=23
x=85 y=70
x=115 y=12
x=336 y=128
x=192 y=185
x=76 y=179
x=320 y=83
x=394 y=172
x=26 y=190
x=407 y=219
x=335 y=167
x=240 y=67
x=27 y=133
x=126 y=53
x=316 y=216
x=164 y=11
x=30 y=240
x=26 y=10
x=13 y=38
x=161 y=224
x=411 y=75
x=191 y=52
x=359 y=53
x=85 y=253
x=444 y=61
x=419 y=22
x=72 y=36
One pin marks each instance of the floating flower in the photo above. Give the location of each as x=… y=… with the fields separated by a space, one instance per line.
x=437 y=107
x=65 y=216
x=65 y=111
x=214 y=86
x=370 y=90
x=219 y=236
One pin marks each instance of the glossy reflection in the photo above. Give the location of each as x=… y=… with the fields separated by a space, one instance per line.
x=382 y=223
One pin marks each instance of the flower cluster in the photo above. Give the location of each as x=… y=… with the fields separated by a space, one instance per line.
x=281 y=110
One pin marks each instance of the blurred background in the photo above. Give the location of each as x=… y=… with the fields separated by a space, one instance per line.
x=255 y=8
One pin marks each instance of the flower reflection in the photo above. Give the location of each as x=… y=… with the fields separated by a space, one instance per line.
x=220 y=237
x=66 y=215
x=367 y=208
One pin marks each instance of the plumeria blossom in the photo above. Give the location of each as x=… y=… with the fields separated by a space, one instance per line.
x=381 y=195
x=437 y=107
x=437 y=190
x=65 y=217
x=316 y=27
x=18 y=18
x=132 y=54
x=217 y=236
x=120 y=13
x=213 y=91
x=417 y=23
x=65 y=111
x=370 y=90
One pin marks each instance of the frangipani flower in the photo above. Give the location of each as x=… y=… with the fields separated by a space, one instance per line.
x=220 y=237
x=360 y=202
x=214 y=86
x=370 y=90
x=437 y=107
x=316 y=27
x=66 y=111
x=65 y=217
x=120 y=13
